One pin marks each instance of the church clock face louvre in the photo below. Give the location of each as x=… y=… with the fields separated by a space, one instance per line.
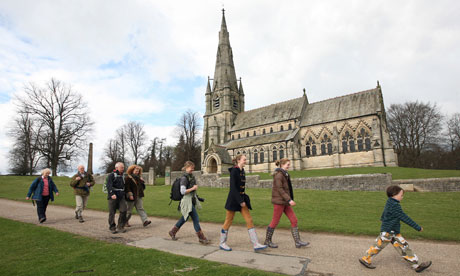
x=346 y=131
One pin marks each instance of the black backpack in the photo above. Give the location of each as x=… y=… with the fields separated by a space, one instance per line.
x=175 y=191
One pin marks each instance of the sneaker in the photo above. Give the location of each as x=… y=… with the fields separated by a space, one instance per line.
x=80 y=219
x=366 y=264
x=42 y=220
x=421 y=267
x=147 y=222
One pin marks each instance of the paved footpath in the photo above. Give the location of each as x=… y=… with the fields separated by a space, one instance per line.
x=328 y=254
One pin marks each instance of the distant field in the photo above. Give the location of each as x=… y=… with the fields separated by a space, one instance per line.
x=396 y=172
x=34 y=250
x=353 y=212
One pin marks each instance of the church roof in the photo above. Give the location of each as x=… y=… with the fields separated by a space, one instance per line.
x=274 y=113
x=340 y=108
x=221 y=151
x=259 y=139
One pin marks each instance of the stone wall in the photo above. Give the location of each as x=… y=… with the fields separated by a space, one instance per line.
x=450 y=184
x=359 y=182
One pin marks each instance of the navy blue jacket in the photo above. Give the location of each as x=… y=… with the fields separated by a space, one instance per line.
x=237 y=193
x=37 y=188
x=391 y=216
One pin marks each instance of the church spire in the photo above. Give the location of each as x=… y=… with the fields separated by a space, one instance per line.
x=224 y=74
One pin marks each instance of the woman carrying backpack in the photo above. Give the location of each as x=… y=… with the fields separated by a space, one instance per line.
x=238 y=200
x=283 y=200
x=189 y=203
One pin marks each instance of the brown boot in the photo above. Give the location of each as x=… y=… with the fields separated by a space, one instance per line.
x=201 y=238
x=173 y=232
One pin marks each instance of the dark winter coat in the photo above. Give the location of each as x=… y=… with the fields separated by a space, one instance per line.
x=36 y=188
x=79 y=186
x=134 y=186
x=282 y=191
x=237 y=194
x=115 y=185
x=392 y=215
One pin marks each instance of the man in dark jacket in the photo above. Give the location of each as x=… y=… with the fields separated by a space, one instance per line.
x=81 y=184
x=116 y=198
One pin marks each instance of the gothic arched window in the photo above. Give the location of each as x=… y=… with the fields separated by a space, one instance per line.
x=275 y=154
x=364 y=141
x=281 y=152
x=313 y=150
x=307 y=150
x=235 y=103
x=281 y=128
x=326 y=143
x=262 y=156
x=271 y=130
x=256 y=157
x=254 y=134
x=367 y=141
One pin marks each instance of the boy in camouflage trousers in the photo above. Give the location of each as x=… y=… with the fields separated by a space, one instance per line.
x=390 y=232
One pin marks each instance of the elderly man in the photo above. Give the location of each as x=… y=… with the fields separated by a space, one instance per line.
x=81 y=184
x=116 y=198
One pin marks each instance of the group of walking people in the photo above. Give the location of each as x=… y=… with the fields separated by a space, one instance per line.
x=239 y=201
x=126 y=192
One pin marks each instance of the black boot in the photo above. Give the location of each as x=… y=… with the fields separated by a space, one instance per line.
x=296 y=236
x=268 y=238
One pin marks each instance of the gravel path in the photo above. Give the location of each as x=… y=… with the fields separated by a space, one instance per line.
x=329 y=254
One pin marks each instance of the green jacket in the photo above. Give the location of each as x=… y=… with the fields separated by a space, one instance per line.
x=392 y=215
x=79 y=186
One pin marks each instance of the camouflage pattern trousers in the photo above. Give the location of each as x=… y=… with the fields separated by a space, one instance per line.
x=398 y=242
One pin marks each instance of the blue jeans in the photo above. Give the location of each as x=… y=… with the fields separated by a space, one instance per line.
x=195 y=219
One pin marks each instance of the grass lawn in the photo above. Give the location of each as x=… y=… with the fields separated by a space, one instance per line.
x=353 y=212
x=34 y=250
x=397 y=172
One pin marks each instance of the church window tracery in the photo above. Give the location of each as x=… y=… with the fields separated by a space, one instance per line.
x=364 y=140
x=326 y=144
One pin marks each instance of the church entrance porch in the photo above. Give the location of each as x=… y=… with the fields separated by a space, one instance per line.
x=212 y=165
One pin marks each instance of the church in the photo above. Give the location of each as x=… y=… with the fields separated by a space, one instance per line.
x=346 y=131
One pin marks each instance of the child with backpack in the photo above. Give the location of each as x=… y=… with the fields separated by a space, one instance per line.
x=188 y=203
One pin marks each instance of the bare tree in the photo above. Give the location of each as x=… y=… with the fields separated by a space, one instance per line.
x=414 y=127
x=121 y=142
x=135 y=138
x=188 y=129
x=111 y=155
x=453 y=132
x=24 y=156
x=63 y=115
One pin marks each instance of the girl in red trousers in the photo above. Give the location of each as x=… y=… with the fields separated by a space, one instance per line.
x=283 y=200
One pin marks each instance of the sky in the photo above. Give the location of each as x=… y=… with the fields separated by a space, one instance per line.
x=148 y=61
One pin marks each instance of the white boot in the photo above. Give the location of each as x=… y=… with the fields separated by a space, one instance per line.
x=255 y=241
x=223 y=241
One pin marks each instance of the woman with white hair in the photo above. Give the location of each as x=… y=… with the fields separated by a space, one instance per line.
x=42 y=189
